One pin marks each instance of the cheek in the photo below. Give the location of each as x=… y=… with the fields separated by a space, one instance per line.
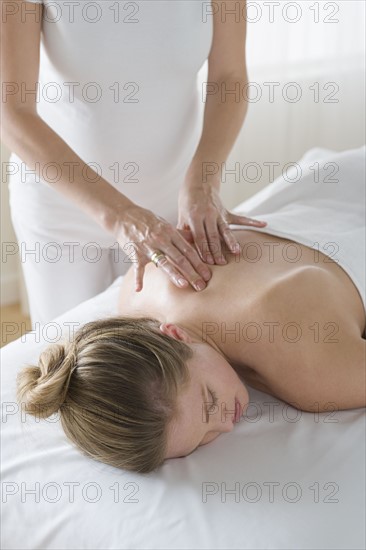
x=238 y=389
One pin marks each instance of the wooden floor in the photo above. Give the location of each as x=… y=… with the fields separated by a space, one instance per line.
x=13 y=323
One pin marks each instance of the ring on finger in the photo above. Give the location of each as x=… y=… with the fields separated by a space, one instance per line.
x=156 y=257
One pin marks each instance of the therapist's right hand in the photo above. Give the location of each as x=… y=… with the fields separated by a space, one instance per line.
x=148 y=233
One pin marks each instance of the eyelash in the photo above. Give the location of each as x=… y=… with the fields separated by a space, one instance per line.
x=215 y=400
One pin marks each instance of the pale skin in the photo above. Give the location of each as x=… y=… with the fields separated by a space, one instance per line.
x=199 y=205
x=323 y=369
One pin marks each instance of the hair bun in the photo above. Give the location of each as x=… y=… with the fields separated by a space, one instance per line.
x=42 y=389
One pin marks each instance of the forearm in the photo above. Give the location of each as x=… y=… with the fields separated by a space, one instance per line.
x=223 y=118
x=38 y=145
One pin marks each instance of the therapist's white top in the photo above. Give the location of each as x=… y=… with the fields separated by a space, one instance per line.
x=118 y=82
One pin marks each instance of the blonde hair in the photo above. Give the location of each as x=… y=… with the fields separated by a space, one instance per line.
x=116 y=387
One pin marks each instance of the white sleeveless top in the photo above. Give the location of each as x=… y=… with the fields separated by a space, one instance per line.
x=118 y=82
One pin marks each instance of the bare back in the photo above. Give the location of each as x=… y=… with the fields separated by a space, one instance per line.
x=280 y=312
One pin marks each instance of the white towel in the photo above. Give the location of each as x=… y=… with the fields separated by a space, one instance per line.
x=319 y=203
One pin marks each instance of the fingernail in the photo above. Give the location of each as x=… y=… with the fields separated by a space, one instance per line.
x=182 y=282
x=206 y=275
x=210 y=260
x=221 y=261
x=200 y=285
x=235 y=248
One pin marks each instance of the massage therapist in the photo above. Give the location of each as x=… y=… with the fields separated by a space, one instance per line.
x=116 y=152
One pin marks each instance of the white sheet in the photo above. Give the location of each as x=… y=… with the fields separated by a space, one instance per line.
x=319 y=203
x=317 y=464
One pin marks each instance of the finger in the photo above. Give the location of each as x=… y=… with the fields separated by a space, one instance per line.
x=189 y=264
x=186 y=234
x=139 y=275
x=201 y=241
x=191 y=254
x=229 y=238
x=214 y=239
x=179 y=279
x=243 y=220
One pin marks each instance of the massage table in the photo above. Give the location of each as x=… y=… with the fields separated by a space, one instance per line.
x=282 y=479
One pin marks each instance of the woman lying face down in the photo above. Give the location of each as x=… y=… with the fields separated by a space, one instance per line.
x=154 y=384
x=132 y=391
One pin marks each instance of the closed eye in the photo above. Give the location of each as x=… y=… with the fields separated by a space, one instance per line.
x=214 y=401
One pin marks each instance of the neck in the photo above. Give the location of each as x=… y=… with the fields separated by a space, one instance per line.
x=200 y=336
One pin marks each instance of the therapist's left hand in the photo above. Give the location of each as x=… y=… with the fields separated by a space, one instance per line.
x=201 y=211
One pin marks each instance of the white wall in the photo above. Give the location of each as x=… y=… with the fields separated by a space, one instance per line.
x=9 y=286
x=12 y=282
x=282 y=131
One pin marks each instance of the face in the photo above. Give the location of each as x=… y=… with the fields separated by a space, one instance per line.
x=207 y=406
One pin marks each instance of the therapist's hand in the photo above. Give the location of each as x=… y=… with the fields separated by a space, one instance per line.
x=201 y=211
x=140 y=233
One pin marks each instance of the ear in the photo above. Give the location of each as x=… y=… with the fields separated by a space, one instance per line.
x=170 y=329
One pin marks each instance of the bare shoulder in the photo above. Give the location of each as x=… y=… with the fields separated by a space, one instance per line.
x=335 y=378
x=319 y=358
x=126 y=292
x=132 y=303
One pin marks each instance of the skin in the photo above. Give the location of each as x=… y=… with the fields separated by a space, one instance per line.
x=200 y=420
x=200 y=207
x=323 y=370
